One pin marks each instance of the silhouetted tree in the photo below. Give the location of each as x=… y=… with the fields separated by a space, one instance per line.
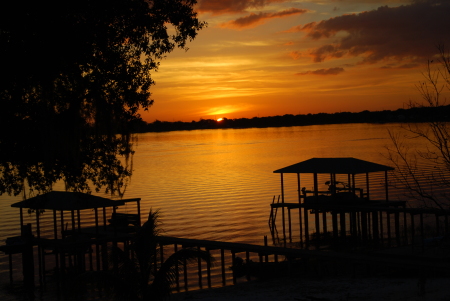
x=74 y=75
x=431 y=188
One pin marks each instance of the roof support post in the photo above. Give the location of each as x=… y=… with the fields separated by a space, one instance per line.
x=300 y=210
x=79 y=220
x=62 y=223
x=386 y=185
x=316 y=186
x=367 y=186
x=55 y=225
x=21 y=217
x=349 y=181
x=353 y=186
x=40 y=259
x=282 y=208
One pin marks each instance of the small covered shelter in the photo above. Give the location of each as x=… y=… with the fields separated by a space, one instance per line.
x=341 y=196
x=334 y=166
x=69 y=201
x=70 y=239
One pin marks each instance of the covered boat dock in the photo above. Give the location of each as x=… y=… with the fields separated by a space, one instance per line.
x=77 y=241
x=344 y=200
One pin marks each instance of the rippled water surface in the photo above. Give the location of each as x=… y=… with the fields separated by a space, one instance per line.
x=218 y=184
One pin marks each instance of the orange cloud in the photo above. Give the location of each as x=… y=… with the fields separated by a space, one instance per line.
x=217 y=7
x=253 y=19
x=407 y=32
x=330 y=71
x=294 y=29
x=295 y=55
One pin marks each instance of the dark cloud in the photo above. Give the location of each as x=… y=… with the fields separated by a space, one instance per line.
x=254 y=19
x=409 y=32
x=330 y=71
x=404 y=66
x=231 y=6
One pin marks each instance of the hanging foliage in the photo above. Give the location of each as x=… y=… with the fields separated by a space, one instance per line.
x=75 y=75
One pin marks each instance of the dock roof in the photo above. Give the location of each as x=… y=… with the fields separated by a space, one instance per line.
x=334 y=166
x=62 y=200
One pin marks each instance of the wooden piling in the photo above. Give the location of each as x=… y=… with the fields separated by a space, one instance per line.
x=199 y=271
x=222 y=261
x=342 y=222
x=208 y=269
x=290 y=225
x=233 y=260
x=177 y=273
x=300 y=210
x=364 y=227
x=375 y=231
x=185 y=275
x=397 y=227
x=305 y=211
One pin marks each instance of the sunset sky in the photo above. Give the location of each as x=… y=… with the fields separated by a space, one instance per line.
x=276 y=57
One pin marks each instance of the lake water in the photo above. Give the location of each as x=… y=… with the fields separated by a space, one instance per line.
x=218 y=184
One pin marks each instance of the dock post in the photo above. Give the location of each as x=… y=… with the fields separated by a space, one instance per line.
x=381 y=227
x=342 y=222
x=388 y=227
x=317 y=221
x=436 y=217
x=266 y=257
x=300 y=210
x=397 y=227
x=28 y=262
x=199 y=265
x=177 y=273
x=422 y=234
x=335 y=225
x=354 y=223
x=446 y=224
x=185 y=275
x=412 y=230
x=316 y=215
x=208 y=269
x=375 y=227
x=247 y=260
x=222 y=259
x=290 y=224
x=282 y=211
x=405 y=226
x=364 y=226
x=305 y=211
x=233 y=259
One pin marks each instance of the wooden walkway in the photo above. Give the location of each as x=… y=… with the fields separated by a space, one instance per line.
x=379 y=222
x=313 y=263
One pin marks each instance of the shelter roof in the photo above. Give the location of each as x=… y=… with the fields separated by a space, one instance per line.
x=334 y=166
x=62 y=200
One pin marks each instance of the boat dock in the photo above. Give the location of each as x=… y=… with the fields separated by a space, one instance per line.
x=347 y=213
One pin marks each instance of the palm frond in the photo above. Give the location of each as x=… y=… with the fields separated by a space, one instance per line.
x=165 y=278
x=145 y=245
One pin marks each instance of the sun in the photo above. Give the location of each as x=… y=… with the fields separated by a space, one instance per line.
x=219 y=119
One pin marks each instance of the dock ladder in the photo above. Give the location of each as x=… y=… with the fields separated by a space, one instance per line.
x=272 y=221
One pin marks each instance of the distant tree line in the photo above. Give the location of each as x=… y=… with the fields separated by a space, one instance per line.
x=422 y=114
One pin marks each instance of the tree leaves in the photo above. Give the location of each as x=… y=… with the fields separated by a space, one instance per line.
x=77 y=74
